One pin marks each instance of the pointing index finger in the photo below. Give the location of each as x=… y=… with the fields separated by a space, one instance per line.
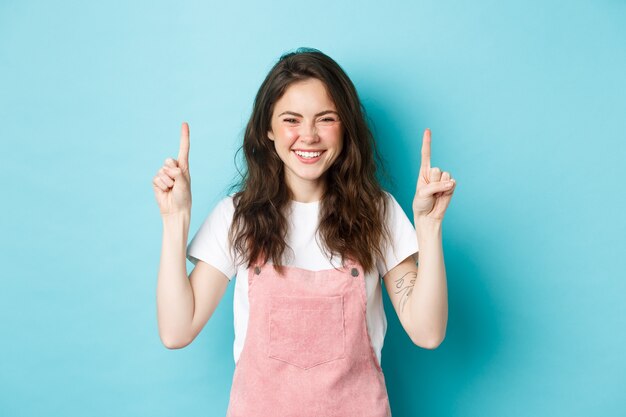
x=425 y=167
x=183 y=152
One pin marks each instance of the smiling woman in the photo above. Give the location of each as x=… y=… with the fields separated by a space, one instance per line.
x=307 y=103
x=307 y=142
x=308 y=235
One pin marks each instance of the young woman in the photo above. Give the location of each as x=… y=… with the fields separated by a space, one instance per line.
x=308 y=236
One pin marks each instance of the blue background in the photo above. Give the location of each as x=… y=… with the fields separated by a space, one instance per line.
x=526 y=101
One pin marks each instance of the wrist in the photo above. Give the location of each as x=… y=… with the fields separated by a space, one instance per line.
x=426 y=220
x=428 y=226
x=178 y=218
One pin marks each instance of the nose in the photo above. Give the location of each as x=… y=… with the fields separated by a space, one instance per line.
x=308 y=134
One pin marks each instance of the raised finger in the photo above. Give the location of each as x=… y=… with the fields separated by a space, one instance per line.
x=183 y=151
x=426 y=140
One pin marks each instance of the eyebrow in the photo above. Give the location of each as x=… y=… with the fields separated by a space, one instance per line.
x=299 y=115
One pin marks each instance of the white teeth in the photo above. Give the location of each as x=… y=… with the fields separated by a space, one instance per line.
x=308 y=154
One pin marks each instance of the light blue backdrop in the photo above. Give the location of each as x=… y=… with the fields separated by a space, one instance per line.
x=526 y=101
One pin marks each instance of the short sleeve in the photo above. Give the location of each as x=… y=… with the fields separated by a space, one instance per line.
x=403 y=239
x=210 y=243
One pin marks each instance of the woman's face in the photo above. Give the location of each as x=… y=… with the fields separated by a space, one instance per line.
x=307 y=135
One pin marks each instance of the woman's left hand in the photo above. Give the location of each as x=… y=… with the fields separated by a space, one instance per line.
x=434 y=188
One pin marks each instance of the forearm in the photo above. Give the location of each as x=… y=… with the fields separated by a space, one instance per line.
x=428 y=303
x=175 y=301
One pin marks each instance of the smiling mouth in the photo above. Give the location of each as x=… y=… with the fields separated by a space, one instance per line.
x=308 y=155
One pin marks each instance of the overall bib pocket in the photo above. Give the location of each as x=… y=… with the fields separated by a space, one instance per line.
x=306 y=331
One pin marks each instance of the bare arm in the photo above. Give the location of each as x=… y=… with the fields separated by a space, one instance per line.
x=184 y=305
x=420 y=295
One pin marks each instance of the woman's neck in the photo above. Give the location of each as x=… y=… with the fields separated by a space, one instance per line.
x=304 y=191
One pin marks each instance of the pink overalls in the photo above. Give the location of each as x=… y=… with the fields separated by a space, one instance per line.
x=307 y=352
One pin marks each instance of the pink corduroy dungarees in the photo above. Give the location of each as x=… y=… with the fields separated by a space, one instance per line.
x=307 y=352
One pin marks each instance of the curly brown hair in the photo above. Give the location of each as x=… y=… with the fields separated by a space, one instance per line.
x=354 y=205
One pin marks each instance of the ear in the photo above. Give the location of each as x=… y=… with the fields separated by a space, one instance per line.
x=270 y=135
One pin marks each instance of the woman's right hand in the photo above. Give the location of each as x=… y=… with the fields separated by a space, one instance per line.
x=172 y=183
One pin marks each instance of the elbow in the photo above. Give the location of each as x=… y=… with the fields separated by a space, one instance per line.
x=174 y=342
x=173 y=345
x=433 y=344
x=430 y=343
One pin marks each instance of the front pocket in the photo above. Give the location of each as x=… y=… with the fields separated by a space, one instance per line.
x=306 y=331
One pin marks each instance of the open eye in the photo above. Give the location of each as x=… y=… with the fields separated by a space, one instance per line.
x=290 y=120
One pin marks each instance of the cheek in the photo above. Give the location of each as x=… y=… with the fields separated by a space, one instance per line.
x=288 y=134
x=334 y=134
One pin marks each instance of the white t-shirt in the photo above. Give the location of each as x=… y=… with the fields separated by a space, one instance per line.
x=211 y=245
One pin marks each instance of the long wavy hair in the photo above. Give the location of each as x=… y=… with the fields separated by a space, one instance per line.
x=353 y=206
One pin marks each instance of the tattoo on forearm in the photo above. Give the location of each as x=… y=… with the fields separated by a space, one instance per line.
x=404 y=286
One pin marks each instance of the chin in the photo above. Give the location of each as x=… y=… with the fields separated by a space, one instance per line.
x=307 y=176
x=311 y=177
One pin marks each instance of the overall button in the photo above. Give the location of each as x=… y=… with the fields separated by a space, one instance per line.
x=257 y=270
x=354 y=272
